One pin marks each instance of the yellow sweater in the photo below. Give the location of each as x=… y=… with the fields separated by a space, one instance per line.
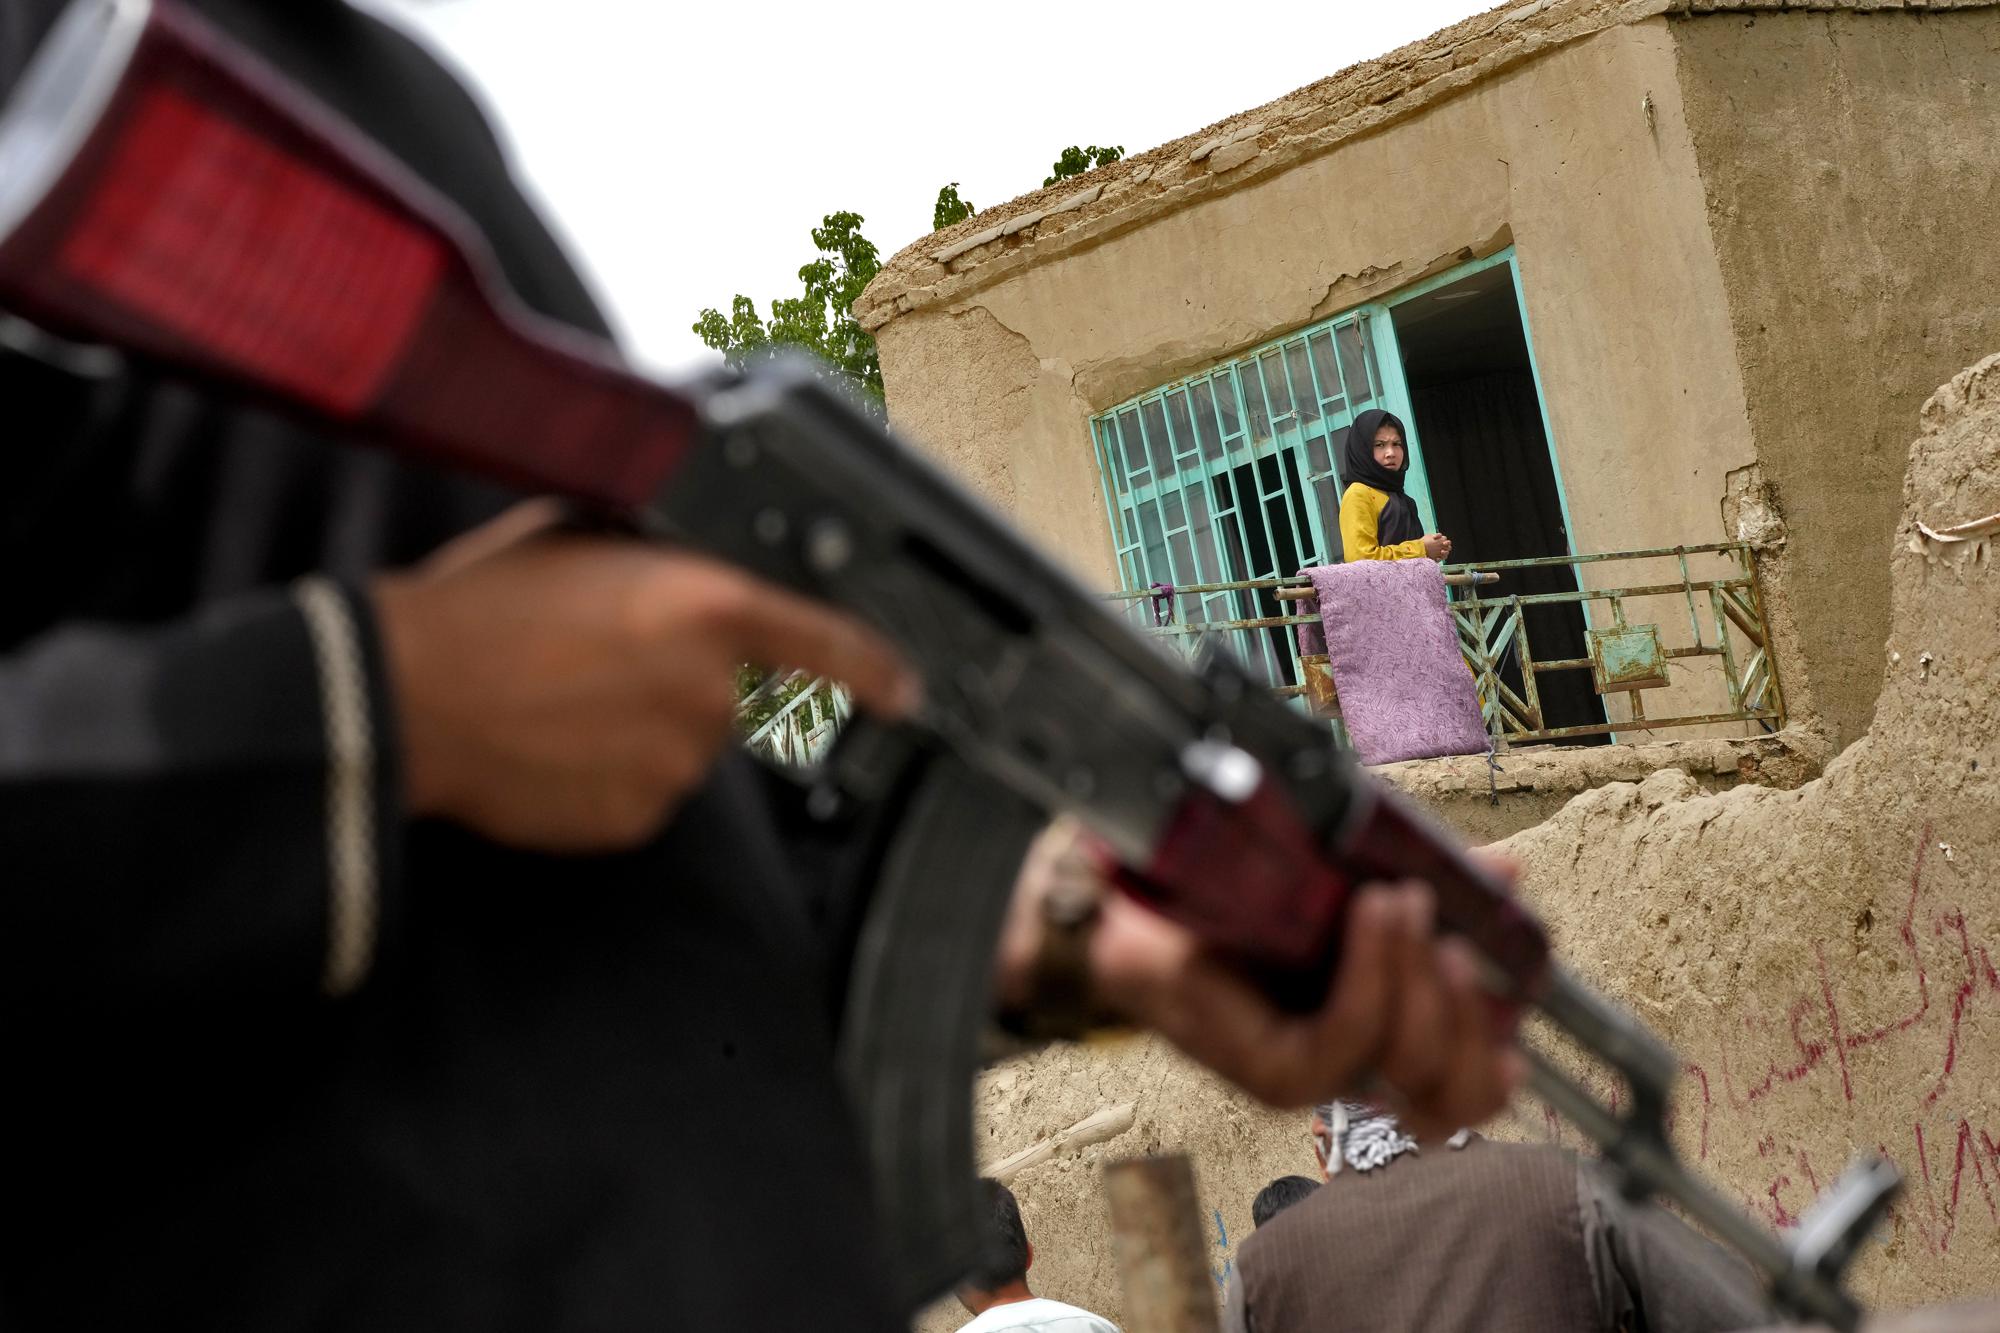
x=1360 y=513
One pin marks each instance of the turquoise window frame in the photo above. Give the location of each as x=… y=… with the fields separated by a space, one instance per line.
x=1125 y=432
x=1161 y=453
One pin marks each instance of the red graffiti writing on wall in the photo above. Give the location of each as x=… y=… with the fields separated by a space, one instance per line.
x=1818 y=1036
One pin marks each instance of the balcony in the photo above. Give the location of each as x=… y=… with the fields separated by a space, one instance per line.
x=1694 y=640
x=1688 y=632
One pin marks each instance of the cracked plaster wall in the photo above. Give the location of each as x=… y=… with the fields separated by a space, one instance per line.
x=971 y=390
x=1852 y=167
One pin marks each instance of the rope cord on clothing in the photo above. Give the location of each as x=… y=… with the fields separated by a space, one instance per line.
x=351 y=907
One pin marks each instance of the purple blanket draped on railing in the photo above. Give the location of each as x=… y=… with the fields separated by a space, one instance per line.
x=1405 y=692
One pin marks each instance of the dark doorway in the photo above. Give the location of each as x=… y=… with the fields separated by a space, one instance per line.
x=1479 y=423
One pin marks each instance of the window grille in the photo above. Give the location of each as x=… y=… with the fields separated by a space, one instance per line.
x=1229 y=475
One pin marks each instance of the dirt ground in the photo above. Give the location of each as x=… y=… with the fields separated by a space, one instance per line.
x=1822 y=956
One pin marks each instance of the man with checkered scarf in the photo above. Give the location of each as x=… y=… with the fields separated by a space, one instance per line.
x=1473 y=1234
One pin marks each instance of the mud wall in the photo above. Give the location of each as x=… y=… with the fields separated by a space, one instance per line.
x=1237 y=1147
x=1534 y=782
x=1824 y=956
x=1852 y=168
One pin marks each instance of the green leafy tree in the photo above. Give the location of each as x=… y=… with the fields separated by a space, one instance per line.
x=820 y=319
x=950 y=208
x=1075 y=161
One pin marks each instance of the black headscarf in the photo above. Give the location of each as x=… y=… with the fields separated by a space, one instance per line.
x=1398 y=521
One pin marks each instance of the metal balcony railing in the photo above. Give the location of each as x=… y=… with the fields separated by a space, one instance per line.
x=808 y=717
x=1628 y=655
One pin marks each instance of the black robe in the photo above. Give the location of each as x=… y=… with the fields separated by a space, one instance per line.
x=571 y=1094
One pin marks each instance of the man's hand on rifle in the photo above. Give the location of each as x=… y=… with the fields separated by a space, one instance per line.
x=565 y=692
x=1405 y=1008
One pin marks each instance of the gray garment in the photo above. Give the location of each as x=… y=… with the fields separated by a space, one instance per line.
x=1654 y=1272
x=1649 y=1271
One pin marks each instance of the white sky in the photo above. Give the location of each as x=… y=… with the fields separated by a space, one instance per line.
x=684 y=151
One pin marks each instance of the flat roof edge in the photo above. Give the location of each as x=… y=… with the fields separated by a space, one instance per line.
x=954 y=263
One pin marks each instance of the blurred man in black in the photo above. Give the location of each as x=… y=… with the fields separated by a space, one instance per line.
x=391 y=939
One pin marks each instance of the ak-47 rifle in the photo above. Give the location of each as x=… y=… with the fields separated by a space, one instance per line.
x=166 y=193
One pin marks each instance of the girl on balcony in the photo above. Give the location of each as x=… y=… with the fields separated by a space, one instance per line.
x=1378 y=521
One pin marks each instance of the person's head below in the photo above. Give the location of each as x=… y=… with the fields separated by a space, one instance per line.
x=1356 y=1136
x=1279 y=1195
x=1389 y=449
x=1000 y=1273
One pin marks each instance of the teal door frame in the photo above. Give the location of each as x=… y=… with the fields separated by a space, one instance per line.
x=1542 y=400
x=1508 y=257
x=1396 y=395
x=1512 y=260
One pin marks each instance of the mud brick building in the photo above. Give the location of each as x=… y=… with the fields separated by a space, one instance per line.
x=1614 y=262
